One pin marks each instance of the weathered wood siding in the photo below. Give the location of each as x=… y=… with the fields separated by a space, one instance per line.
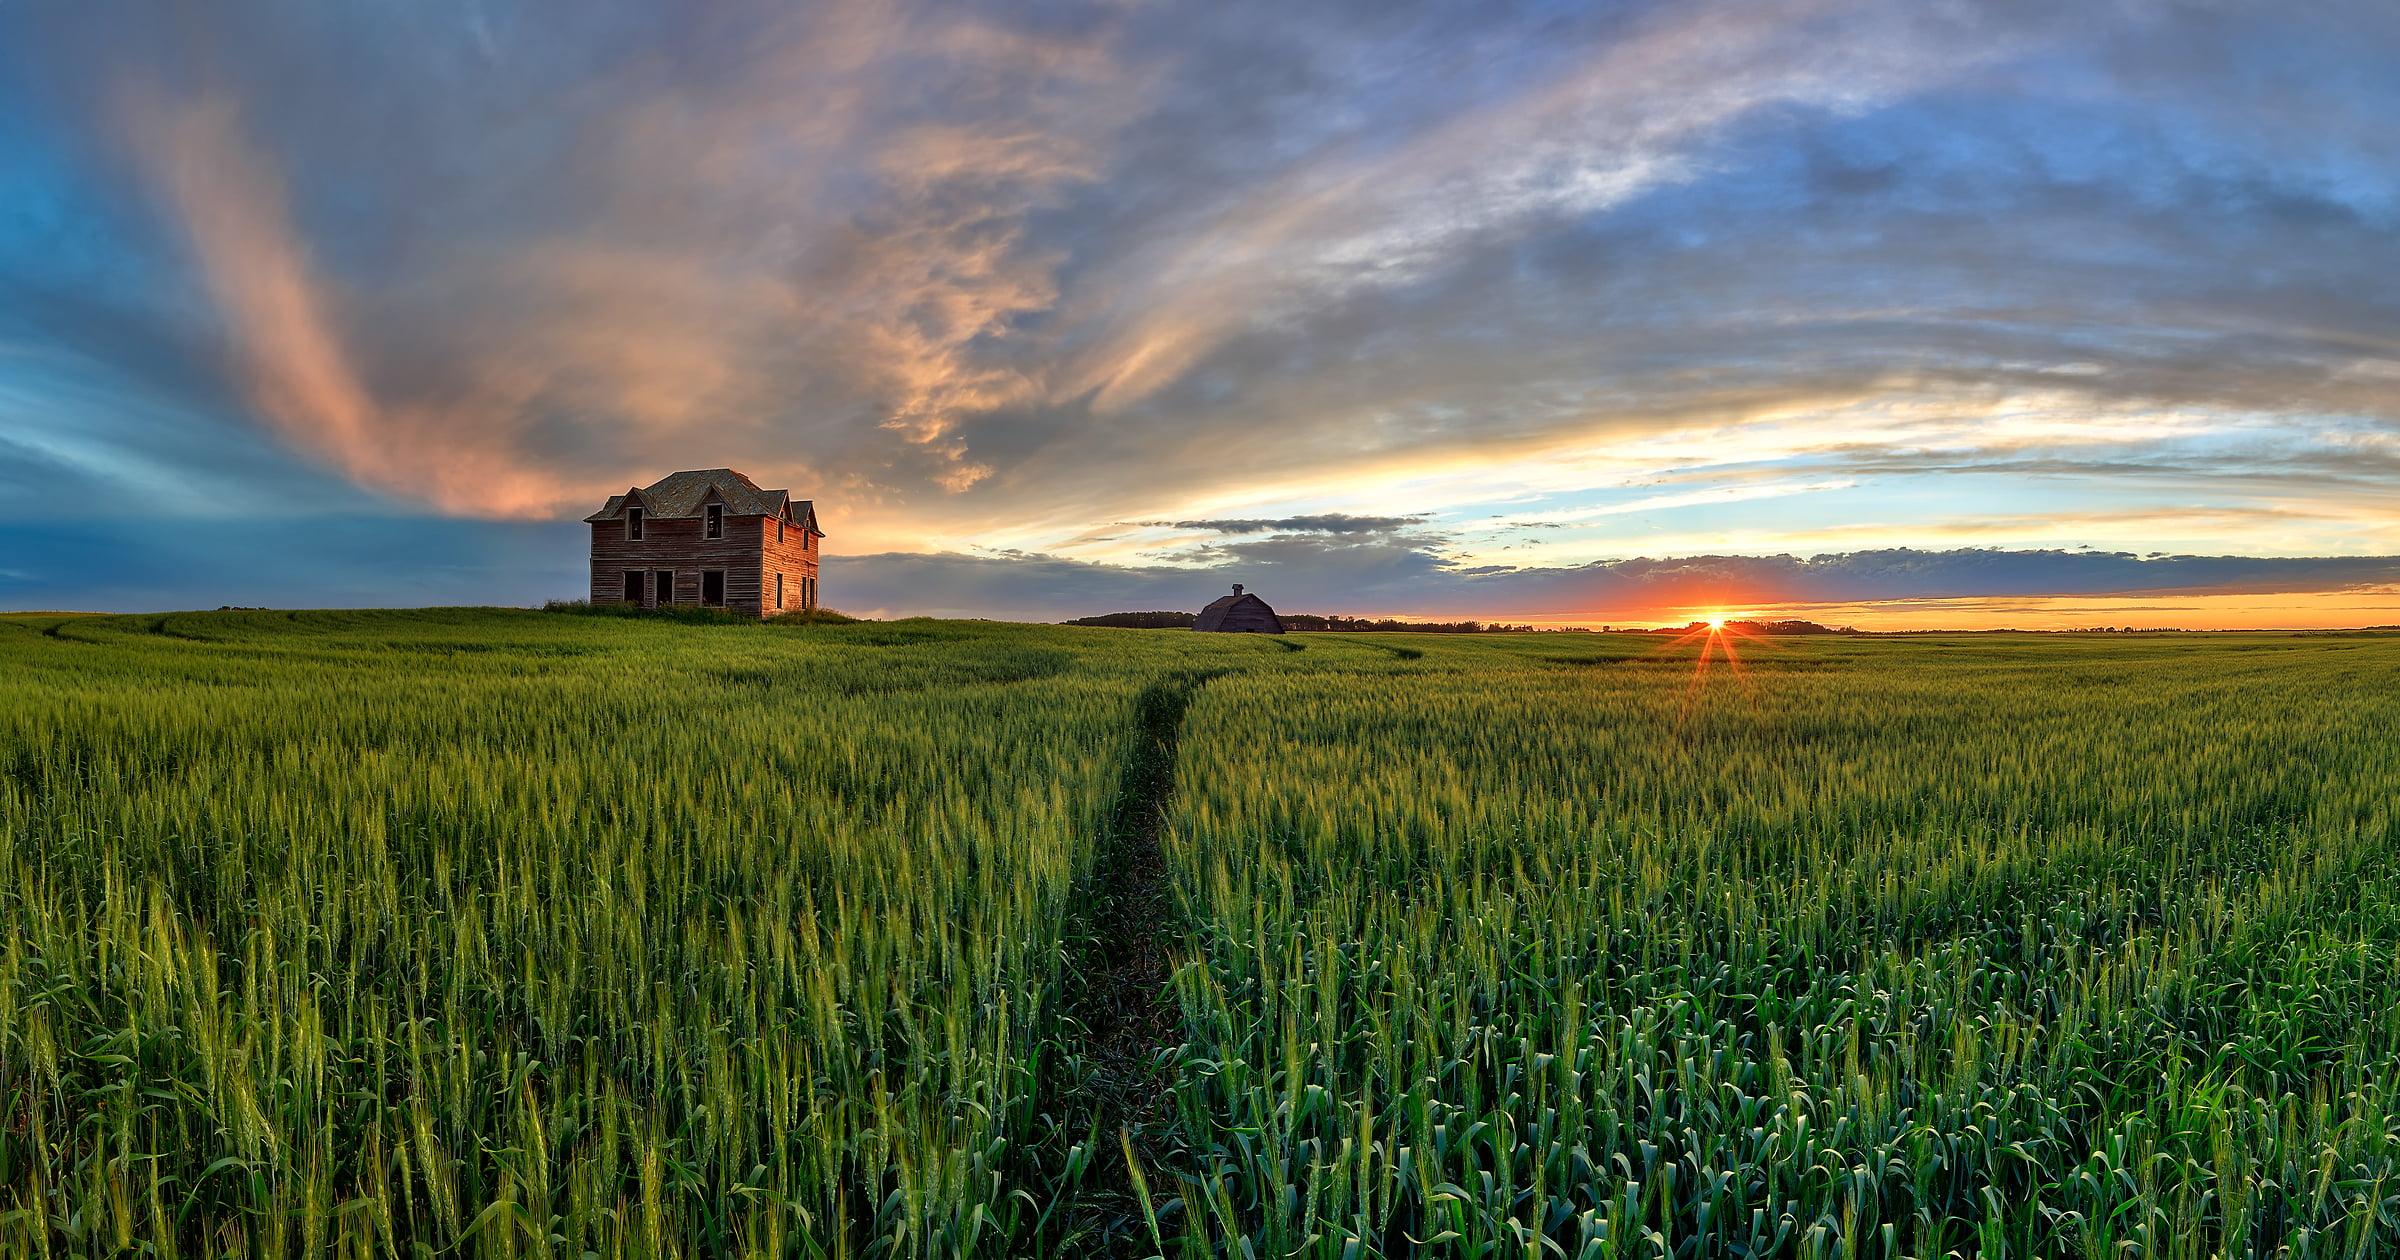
x=795 y=558
x=748 y=553
x=1250 y=619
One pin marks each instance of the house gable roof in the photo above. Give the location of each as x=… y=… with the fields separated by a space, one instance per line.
x=681 y=496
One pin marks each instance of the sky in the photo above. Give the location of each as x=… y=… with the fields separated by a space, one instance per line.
x=1893 y=313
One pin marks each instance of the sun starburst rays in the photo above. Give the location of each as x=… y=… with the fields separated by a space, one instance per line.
x=1719 y=637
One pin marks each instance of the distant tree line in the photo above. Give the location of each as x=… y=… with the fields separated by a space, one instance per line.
x=1757 y=627
x=1313 y=621
x=1321 y=621
x=1301 y=621
x=1139 y=620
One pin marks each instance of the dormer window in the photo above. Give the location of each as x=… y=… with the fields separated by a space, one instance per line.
x=633 y=524
x=716 y=520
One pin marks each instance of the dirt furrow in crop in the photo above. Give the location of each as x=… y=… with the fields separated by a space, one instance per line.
x=1120 y=995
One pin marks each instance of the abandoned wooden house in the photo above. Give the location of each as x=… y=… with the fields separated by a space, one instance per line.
x=708 y=537
x=1239 y=614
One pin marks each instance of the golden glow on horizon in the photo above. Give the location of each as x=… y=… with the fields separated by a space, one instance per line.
x=2288 y=610
x=2357 y=608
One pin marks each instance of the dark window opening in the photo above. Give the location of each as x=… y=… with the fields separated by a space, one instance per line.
x=633 y=524
x=633 y=586
x=712 y=588
x=716 y=520
x=666 y=586
x=779 y=532
x=779 y=587
x=808 y=593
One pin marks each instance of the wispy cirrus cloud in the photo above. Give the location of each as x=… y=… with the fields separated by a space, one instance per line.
x=784 y=222
x=1589 y=133
x=286 y=345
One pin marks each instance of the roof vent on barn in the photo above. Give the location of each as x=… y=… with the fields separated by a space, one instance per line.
x=1239 y=614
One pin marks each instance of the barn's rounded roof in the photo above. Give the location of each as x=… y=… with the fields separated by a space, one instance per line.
x=1238 y=611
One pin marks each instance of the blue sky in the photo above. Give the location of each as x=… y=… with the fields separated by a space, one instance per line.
x=2038 y=314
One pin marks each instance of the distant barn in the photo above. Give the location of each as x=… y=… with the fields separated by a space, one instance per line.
x=1239 y=614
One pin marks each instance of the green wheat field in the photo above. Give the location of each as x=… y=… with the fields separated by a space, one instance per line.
x=524 y=934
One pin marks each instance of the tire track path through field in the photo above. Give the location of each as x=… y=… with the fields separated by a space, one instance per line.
x=1398 y=652
x=1121 y=994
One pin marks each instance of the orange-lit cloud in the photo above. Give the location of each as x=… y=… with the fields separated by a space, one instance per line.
x=287 y=347
x=708 y=277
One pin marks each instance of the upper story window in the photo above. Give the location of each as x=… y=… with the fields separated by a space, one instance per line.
x=716 y=520
x=633 y=524
x=779 y=532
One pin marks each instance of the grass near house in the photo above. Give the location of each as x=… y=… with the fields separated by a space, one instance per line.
x=475 y=932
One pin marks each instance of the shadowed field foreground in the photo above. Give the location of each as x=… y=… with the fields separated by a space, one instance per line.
x=482 y=933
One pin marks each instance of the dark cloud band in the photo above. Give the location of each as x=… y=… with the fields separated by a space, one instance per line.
x=1328 y=523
